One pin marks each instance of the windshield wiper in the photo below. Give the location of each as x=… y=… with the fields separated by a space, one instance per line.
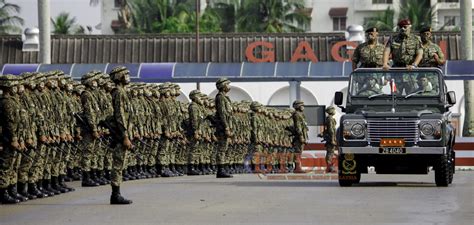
x=375 y=95
x=414 y=93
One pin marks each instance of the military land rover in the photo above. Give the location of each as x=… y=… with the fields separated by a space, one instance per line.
x=398 y=122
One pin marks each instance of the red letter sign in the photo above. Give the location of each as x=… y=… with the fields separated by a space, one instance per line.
x=267 y=56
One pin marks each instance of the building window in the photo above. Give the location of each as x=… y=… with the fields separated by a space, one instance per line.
x=382 y=1
x=339 y=23
x=450 y=21
x=449 y=1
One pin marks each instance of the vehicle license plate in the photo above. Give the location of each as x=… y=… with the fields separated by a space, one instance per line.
x=392 y=150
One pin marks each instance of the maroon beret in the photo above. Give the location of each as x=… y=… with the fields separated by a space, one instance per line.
x=404 y=22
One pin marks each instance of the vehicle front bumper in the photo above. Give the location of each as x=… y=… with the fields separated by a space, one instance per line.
x=409 y=150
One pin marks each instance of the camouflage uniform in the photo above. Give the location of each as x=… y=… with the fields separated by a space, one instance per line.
x=329 y=136
x=430 y=49
x=300 y=133
x=9 y=158
x=368 y=56
x=121 y=104
x=224 y=132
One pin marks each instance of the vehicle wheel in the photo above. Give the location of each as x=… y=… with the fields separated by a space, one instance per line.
x=442 y=171
x=451 y=166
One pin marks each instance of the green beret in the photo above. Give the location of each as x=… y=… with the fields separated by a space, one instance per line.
x=372 y=29
x=8 y=80
x=425 y=29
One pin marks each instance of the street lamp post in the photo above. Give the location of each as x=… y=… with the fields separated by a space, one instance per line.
x=198 y=9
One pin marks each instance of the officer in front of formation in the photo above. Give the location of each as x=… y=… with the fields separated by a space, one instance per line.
x=370 y=53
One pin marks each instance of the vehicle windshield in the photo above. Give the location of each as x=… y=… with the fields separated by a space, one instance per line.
x=401 y=83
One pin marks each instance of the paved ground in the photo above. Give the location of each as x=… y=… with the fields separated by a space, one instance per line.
x=252 y=199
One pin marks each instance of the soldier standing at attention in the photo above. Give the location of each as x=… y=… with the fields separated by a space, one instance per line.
x=432 y=54
x=300 y=133
x=370 y=53
x=329 y=136
x=121 y=104
x=10 y=106
x=224 y=133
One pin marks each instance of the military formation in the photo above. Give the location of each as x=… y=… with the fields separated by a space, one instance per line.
x=105 y=130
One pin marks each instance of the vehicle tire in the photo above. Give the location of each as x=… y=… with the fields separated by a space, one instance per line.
x=442 y=171
x=451 y=166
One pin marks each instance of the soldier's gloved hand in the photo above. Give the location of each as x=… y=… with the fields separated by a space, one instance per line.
x=15 y=145
x=62 y=137
x=49 y=140
x=69 y=137
x=22 y=145
x=386 y=66
x=96 y=135
x=29 y=142
x=127 y=143
x=43 y=139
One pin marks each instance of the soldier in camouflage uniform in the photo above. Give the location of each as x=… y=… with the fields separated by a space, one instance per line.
x=406 y=51
x=121 y=104
x=10 y=106
x=370 y=53
x=90 y=130
x=196 y=120
x=168 y=130
x=300 y=133
x=432 y=54
x=329 y=136
x=224 y=132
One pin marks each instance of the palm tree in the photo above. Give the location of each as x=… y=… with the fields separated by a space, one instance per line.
x=383 y=21
x=273 y=16
x=9 y=22
x=419 y=12
x=63 y=24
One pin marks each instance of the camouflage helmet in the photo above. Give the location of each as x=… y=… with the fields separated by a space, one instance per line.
x=8 y=81
x=330 y=110
x=193 y=93
x=117 y=73
x=255 y=105
x=89 y=77
x=221 y=82
x=298 y=103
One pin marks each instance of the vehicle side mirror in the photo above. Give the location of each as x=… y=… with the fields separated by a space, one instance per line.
x=338 y=98
x=451 y=97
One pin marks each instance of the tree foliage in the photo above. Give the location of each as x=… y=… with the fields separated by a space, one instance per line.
x=64 y=24
x=383 y=21
x=418 y=11
x=9 y=21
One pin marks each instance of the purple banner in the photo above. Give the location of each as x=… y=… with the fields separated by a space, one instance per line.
x=156 y=71
x=17 y=69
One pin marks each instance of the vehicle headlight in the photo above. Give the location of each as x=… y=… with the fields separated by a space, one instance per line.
x=430 y=129
x=354 y=129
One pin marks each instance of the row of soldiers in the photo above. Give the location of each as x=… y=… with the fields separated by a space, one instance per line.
x=57 y=129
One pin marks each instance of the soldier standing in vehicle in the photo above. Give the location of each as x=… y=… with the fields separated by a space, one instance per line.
x=406 y=52
x=329 y=136
x=432 y=54
x=370 y=53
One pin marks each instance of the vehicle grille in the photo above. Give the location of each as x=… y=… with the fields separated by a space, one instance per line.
x=406 y=129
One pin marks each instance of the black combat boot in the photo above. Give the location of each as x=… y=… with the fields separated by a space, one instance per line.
x=145 y=172
x=5 y=197
x=107 y=175
x=62 y=183
x=77 y=174
x=33 y=190
x=192 y=170
x=39 y=184
x=222 y=173
x=12 y=189
x=166 y=172
x=180 y=170
x=94 y=175
x=101 y=177
x=116 y=198
x=47 y=186
x=87 y=181
x=69 y=175
x=23 y=190
x=55 y=185
x=213 y=169
x=200 y=168
x=131 y=173
x=125 y=175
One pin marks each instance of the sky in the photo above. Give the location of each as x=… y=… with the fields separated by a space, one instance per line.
x=85 y=15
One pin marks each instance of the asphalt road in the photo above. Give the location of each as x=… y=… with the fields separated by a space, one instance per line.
x=253 y=199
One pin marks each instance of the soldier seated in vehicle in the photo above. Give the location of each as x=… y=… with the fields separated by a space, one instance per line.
x=371 y=87
x=425 y=86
